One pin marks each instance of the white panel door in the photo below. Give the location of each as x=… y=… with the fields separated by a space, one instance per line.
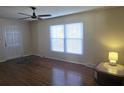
x=13 y=47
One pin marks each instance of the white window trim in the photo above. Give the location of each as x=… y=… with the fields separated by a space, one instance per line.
x=65 y=40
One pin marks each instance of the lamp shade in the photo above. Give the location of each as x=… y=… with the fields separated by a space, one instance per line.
x=113 y=57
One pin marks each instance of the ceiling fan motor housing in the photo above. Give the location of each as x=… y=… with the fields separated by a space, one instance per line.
x=34 y=15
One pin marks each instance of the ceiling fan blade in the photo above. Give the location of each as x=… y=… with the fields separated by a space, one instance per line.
x=46 y=15
x=24 y=18
x=24 y=14
x=39 y=18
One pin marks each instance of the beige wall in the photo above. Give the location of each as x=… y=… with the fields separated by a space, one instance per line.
x=103 y=32
x=26 y=36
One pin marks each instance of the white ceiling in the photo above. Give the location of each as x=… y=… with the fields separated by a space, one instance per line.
x=11 y=12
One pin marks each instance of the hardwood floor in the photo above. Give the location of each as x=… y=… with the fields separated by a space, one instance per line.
x=35 y=70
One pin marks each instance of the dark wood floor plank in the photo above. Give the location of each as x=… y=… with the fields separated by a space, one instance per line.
x=37 y=71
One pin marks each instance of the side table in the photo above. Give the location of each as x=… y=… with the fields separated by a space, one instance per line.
x=105 y=74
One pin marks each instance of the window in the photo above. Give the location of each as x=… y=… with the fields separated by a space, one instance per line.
x=67 y=38
x=12 y=36
x=74 y=38
x=57 y=38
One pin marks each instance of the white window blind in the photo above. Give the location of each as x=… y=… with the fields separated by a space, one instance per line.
x=13 y=36
x=57 y=38
x=74 y=37
x=67 y=38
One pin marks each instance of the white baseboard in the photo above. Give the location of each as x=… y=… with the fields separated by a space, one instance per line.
x=3 y=60
x=26 y=55
x=85 y=64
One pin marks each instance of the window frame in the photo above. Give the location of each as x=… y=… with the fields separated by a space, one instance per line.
x=65 y=39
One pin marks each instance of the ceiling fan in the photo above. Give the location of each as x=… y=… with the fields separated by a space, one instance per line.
x=33 y=16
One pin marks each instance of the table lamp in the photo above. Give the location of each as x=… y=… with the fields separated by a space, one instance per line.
x=113 y=57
